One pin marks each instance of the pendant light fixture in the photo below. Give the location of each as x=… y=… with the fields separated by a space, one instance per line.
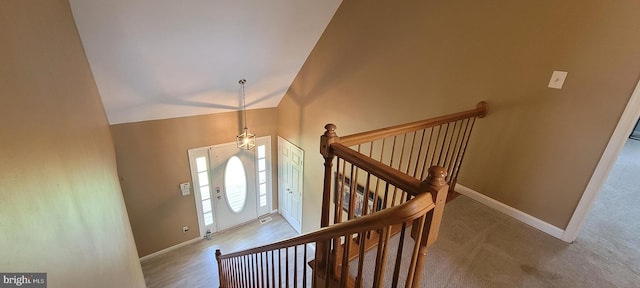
x=245 y=140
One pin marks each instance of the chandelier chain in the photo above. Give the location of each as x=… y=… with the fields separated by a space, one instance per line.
x=244 y=104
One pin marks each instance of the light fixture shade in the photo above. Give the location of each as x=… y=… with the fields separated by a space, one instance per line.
x=246 y=140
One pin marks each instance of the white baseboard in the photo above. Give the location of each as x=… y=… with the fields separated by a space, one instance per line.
x=510 y=211
x=174 y=247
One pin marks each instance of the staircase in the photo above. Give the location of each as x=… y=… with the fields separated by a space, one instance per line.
x=372 y=192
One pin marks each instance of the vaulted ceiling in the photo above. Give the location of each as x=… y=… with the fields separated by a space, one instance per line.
x=157 y=59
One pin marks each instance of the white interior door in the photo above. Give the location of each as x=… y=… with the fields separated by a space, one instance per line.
x=290 y=180
x=234 y=185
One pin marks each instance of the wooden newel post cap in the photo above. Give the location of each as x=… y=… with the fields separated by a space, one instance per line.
x=437 y=176
x=330 y=130
x=218 y=253
x=326 y=139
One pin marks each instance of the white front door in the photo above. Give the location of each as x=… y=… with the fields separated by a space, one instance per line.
x=231 y=186
x=290 y=180
x=234 y=185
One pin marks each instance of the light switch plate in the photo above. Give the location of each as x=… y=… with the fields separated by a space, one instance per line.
x=557 y=79
x=185 y=188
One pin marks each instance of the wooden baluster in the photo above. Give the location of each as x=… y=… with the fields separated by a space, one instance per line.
x=339 y=190
x=393 y=156
x=238 y=272
x=396 y=269
x=247 y=268
x=304 y=264
x=258 y=263
x=295 y=265
x=279 y=267
x=263 y=262
x=411 y=149
x=353 y=191
x=234 y=270
x=328 y=269
x=344 y=272
x=256 y=274
x=286 y=271
x=415 y=255
x=451 y=170
x=444 y=141
x=361 y=245
x=447 y=155
x=420 y=146
x=426 y=154
x=230 y=272
x=402 y=148
x=245 y=271
x=381 y=257
x=366 y=196
x=273 y=270
x=464 y=150
x=435 y=144
x=254 y=270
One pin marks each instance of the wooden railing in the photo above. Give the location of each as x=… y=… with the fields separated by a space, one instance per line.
x=405 y=150
x=380 y=165
x=278 y=264
x=373 y=190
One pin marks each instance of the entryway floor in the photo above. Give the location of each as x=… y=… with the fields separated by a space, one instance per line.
x=195 y=265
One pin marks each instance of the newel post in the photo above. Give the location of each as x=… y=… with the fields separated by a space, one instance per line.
x=435 y=184
x=223 y=281
x=326 y=139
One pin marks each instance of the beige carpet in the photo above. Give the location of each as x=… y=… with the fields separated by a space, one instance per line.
x=479 y=247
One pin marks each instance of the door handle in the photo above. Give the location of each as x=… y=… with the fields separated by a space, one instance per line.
x=219 y=197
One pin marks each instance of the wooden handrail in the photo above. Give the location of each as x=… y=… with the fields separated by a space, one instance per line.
x=381 y=190
x=394 y=177
x=408 y=211
x=480 y=111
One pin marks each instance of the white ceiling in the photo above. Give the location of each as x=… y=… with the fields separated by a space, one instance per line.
x=157 y=59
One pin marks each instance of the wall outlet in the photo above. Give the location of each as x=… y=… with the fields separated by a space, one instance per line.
x=185 y=229
x=185 y=188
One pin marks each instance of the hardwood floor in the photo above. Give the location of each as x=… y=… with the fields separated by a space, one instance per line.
x=195 y=265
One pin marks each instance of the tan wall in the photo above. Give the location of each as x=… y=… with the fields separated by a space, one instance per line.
x=388 y=62
x=152 y=161
x=61 y=208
